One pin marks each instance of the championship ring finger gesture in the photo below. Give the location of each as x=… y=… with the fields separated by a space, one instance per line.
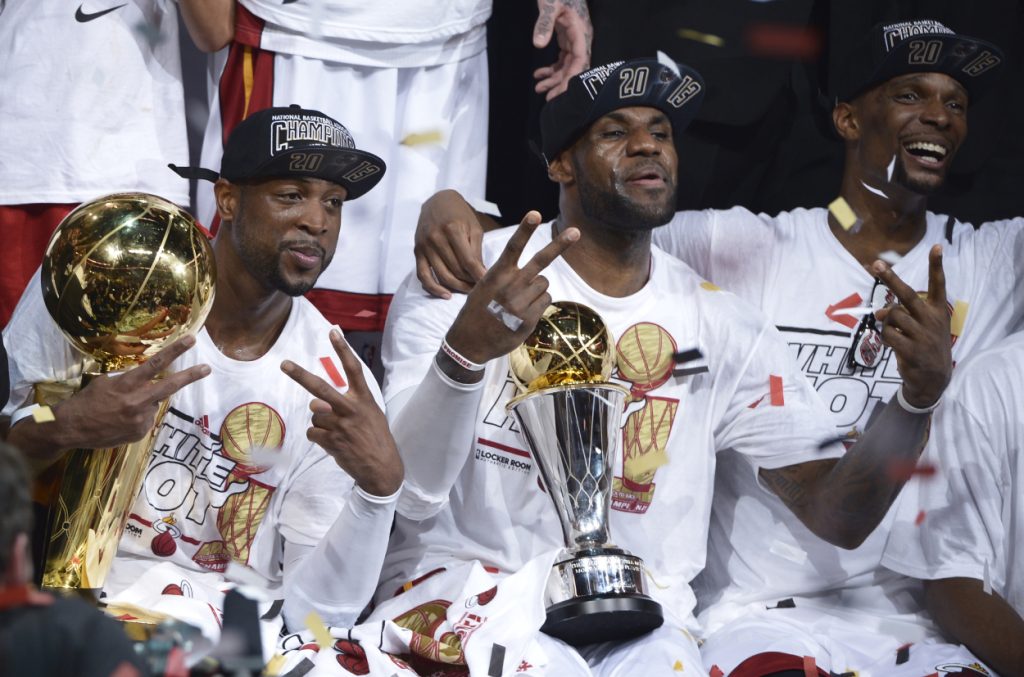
x=507 y=303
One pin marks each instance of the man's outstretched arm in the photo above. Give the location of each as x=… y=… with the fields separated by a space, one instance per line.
x=842 y=501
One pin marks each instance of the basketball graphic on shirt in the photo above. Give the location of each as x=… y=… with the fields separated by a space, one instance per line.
x=248 y=427
x=241 y=516
x=645 y=359
x=644 y=356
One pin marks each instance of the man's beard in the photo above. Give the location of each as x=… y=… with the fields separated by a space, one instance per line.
x=615 y=210
x=265 y=266
x=901 y=177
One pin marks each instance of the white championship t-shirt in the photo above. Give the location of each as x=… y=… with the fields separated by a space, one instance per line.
x=92 y=100
x=968 y=520
x=392 y=34
x=750 y=399
x=231 y=473
x=792 y=267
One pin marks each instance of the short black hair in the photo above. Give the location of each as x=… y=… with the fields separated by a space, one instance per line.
x=15 y=504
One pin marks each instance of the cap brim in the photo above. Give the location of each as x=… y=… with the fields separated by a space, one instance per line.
x=356 y=170
x=972 y=62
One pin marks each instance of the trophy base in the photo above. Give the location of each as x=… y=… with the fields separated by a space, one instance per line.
x=587 y=621
x=91 y=595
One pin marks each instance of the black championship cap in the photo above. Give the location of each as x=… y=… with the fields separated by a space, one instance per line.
x=922 y=46
x=293 y=141
x=676 y=90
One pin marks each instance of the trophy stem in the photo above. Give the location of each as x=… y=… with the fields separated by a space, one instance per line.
x=88 y=515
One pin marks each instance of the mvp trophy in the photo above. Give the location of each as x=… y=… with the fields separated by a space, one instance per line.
x=571 y=417
x=122 y=276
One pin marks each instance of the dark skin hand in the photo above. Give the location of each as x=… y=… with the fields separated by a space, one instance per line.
x=108 y=412
x=447 y=245
x=843 y=500
x=480 y=336
x=983 y=622
x=351 y=427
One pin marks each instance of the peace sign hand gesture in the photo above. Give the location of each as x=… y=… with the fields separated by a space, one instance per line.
x=918 y=331
x=507 y=303
x=351 y=427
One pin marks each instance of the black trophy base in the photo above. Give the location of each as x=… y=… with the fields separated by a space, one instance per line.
x=600 y=619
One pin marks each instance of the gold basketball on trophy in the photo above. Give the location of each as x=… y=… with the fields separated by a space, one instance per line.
x=571 y=345
x=125 y=274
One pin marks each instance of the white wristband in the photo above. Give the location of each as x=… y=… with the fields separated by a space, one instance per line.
x=909 y=408
x=459 y=358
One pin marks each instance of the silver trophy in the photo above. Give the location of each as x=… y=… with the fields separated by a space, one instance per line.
x=571 y=417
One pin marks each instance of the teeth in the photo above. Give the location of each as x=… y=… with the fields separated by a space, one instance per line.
x=924 y=145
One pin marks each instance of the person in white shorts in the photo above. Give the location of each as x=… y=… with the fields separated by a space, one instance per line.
x=471 y=490
x=962 y=531
x=93 y=104
x=409 y=77
x=274 y=454
x=902 y=123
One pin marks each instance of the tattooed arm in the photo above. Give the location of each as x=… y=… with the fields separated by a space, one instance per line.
x=843 y=501
x=569 y=20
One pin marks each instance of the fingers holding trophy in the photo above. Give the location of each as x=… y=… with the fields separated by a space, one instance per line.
x=123 y=276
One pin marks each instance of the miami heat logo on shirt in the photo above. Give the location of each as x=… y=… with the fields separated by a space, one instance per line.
x=644 y=357
x=205 y=494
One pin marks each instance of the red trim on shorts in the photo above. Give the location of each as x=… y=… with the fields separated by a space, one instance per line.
x=27 y=229
x=236 y=100
x=770 y=662
x=352 y=311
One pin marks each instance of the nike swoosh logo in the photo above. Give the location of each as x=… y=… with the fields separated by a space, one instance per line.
x=81 y=17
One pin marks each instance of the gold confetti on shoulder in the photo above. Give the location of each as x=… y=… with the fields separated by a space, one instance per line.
x=841 y=210
x=678 y=667
x=709 y=286
x=956 y=323
x=706 y=38
x=423 y=138
x=43 y=415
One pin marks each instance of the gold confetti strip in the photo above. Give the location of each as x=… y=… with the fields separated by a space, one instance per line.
x=709 y=286
x=956 y=323
x=274 y=665
x=706 y=38
x=43 y=415
x=841 y=209
x=319 y=630
x=422 y=138
x=678 y=667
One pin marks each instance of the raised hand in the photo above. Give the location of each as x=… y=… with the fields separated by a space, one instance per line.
x=569 y=20
x=351 y=427
x=122 y=408
x=447 y=245
x=507 y=302
x=918 y=330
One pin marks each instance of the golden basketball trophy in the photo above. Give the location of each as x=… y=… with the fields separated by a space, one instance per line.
x=571 y=416
x=122 y=276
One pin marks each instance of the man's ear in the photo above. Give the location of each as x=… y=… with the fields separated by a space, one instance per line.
x=844 y=118
x=227 y=195
x=561 y=169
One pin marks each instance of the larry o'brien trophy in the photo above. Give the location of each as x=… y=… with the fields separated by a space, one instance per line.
x=123 y=276
x=571 y=417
